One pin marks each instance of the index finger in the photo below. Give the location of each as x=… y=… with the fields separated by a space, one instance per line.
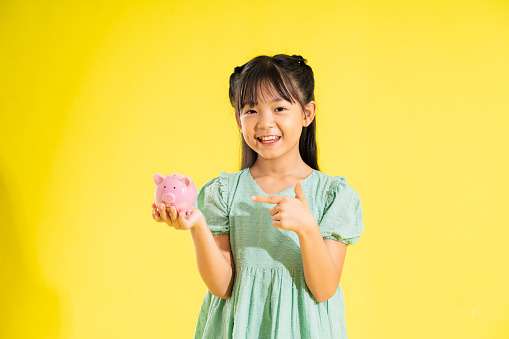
x=269 y=199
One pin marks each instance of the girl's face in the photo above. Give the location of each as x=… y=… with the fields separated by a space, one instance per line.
x=272 y=127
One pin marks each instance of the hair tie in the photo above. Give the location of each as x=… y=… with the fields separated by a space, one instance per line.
x=299 y=59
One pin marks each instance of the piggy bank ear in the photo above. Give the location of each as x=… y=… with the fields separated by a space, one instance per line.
x=158 y=178
x=186 y=181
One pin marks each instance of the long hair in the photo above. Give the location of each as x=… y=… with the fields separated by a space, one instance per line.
x=292 y=79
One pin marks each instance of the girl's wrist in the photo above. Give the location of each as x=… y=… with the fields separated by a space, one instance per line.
x=200 y=225
x=308 y=230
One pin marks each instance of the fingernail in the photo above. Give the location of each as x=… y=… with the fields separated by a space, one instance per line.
x=253 y=197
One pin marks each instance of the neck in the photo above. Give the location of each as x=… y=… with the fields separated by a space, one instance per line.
x=288 y=164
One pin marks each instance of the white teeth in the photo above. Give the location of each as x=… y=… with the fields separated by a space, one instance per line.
x=272 y=137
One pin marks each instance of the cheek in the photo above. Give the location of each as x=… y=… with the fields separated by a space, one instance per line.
x=248 y=126
x=293 y=128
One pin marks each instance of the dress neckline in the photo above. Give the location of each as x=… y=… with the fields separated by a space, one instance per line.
x=248 y=170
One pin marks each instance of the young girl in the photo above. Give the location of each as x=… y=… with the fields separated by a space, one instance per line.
x=271 y=239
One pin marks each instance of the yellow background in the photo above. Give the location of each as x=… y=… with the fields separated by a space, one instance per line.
x=98 y=96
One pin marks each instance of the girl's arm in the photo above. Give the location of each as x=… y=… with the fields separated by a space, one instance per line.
x=214 y=259
x=323 y=262
x=213 y=254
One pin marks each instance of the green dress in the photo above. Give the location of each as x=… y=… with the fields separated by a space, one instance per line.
x=270 y=298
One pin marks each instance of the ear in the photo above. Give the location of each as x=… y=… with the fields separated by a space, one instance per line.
x=237 y=117
x=158 y=178
x=309 y=113
x=186 y=181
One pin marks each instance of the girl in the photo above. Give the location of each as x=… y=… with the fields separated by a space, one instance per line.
x=271 y=239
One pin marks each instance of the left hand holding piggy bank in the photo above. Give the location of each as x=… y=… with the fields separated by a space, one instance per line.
x=175 y=195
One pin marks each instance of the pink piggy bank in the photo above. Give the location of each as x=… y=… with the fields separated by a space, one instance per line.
x=175 y=190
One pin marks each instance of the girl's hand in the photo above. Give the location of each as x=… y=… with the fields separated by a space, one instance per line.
x=179 y=221
x=291 y=214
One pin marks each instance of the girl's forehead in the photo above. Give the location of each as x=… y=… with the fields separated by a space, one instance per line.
x=269 y=96
x=267 y=93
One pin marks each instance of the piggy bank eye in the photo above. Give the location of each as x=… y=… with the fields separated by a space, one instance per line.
x=164 y=186
x=174 y=187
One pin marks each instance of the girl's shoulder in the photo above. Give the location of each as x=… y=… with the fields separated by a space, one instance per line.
x=323 y=181
x=226 y=179
x=230 y=181
x=327 y=179
x=225 y=184
x=327 y=187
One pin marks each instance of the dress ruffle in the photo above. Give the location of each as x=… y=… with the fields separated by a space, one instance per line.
x=223 y=187
x=333 y=190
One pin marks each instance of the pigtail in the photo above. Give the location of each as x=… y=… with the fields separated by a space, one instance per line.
x=234 y=79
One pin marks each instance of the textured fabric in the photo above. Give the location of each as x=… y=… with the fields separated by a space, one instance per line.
x=270 y=298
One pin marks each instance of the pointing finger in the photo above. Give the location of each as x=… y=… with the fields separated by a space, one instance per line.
x=269 y=199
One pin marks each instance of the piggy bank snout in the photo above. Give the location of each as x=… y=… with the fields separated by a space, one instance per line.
x=169 y=198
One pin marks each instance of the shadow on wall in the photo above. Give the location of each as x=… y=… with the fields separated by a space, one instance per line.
x=29 y=309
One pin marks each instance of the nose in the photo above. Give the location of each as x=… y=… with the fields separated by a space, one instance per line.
x=169 y=198
x=266 y=120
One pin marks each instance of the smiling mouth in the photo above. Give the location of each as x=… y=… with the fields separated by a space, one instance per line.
x=269 y=140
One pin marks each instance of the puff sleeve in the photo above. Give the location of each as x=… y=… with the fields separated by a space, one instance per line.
x=211 y=201
x=342 y=217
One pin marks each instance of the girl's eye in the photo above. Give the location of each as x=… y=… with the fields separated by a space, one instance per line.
x=279 y=109
x=250 y=111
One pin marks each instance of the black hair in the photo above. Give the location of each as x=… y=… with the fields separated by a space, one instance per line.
x=292 y=79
